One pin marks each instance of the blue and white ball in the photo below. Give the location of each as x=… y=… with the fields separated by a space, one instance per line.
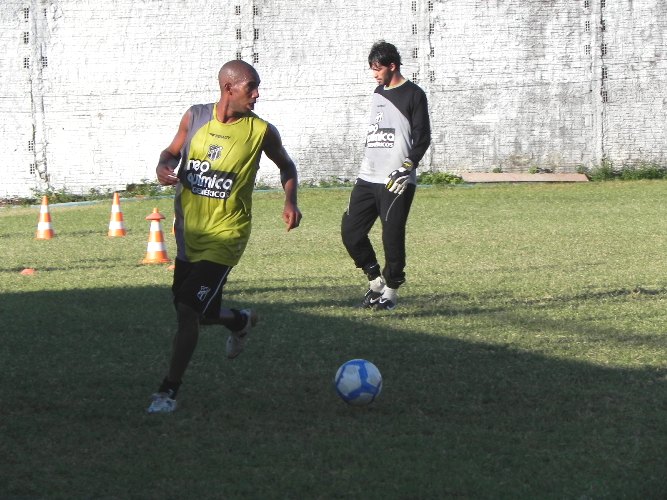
x=358 y=382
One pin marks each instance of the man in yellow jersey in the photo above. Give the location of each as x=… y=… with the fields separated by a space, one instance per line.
x=213 y=161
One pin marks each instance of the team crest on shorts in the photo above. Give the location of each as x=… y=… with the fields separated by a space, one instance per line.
x=202 y=293
x=214 y=152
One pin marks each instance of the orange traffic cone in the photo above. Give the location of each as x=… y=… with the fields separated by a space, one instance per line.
x=44 y=229
x=116 y=225
x=156 y=252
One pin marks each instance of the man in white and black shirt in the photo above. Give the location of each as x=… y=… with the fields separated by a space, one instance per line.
x=399 y=133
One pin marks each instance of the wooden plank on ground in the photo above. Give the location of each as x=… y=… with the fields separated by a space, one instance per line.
x=509 y=177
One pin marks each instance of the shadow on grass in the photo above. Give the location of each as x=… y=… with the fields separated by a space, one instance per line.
x=456 y=418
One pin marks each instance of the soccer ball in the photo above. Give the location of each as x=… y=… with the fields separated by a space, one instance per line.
x=358 y=382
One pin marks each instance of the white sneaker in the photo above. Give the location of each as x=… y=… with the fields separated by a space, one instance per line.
x=236 y=341
x=161 y=403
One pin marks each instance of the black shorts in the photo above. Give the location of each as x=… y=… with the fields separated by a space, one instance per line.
x=199 y=285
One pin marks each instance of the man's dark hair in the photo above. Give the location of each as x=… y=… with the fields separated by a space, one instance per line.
x=384 y=53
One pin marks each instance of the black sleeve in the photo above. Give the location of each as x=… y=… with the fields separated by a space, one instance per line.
x=421 y=127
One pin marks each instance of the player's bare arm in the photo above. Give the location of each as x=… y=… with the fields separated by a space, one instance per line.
x=170 y=157
x=274 y=149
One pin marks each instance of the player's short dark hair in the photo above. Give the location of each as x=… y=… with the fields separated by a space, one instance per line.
x=384 y=53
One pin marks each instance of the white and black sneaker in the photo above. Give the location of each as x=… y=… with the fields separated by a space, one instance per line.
x=372 y=296
x=236 y=340
x=370 y=299
x=388 y=300
x=385 y=304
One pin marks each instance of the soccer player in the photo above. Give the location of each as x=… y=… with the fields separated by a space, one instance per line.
x=398 y=135
x=217 y=150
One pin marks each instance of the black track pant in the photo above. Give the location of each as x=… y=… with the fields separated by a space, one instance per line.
x=368 y=202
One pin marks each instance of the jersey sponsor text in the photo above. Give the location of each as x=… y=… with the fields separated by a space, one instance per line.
x=207 y=182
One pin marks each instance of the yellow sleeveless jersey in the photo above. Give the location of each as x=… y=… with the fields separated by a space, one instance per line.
x=217 y=172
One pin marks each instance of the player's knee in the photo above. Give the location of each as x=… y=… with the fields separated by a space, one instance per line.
x=350 y=238
x=343 y=225
x=186 y=312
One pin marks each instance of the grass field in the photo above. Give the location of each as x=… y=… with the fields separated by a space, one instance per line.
x=527 y=358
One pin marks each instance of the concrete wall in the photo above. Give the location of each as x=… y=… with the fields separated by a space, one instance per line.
x=91 y=92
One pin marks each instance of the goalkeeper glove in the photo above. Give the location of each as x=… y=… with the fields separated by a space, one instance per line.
x=398 y=179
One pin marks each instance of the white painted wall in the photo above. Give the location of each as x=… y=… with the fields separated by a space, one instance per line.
x=510 y=83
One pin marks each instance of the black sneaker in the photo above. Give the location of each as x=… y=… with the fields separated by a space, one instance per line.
x=370 y=299
x=383 y=304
